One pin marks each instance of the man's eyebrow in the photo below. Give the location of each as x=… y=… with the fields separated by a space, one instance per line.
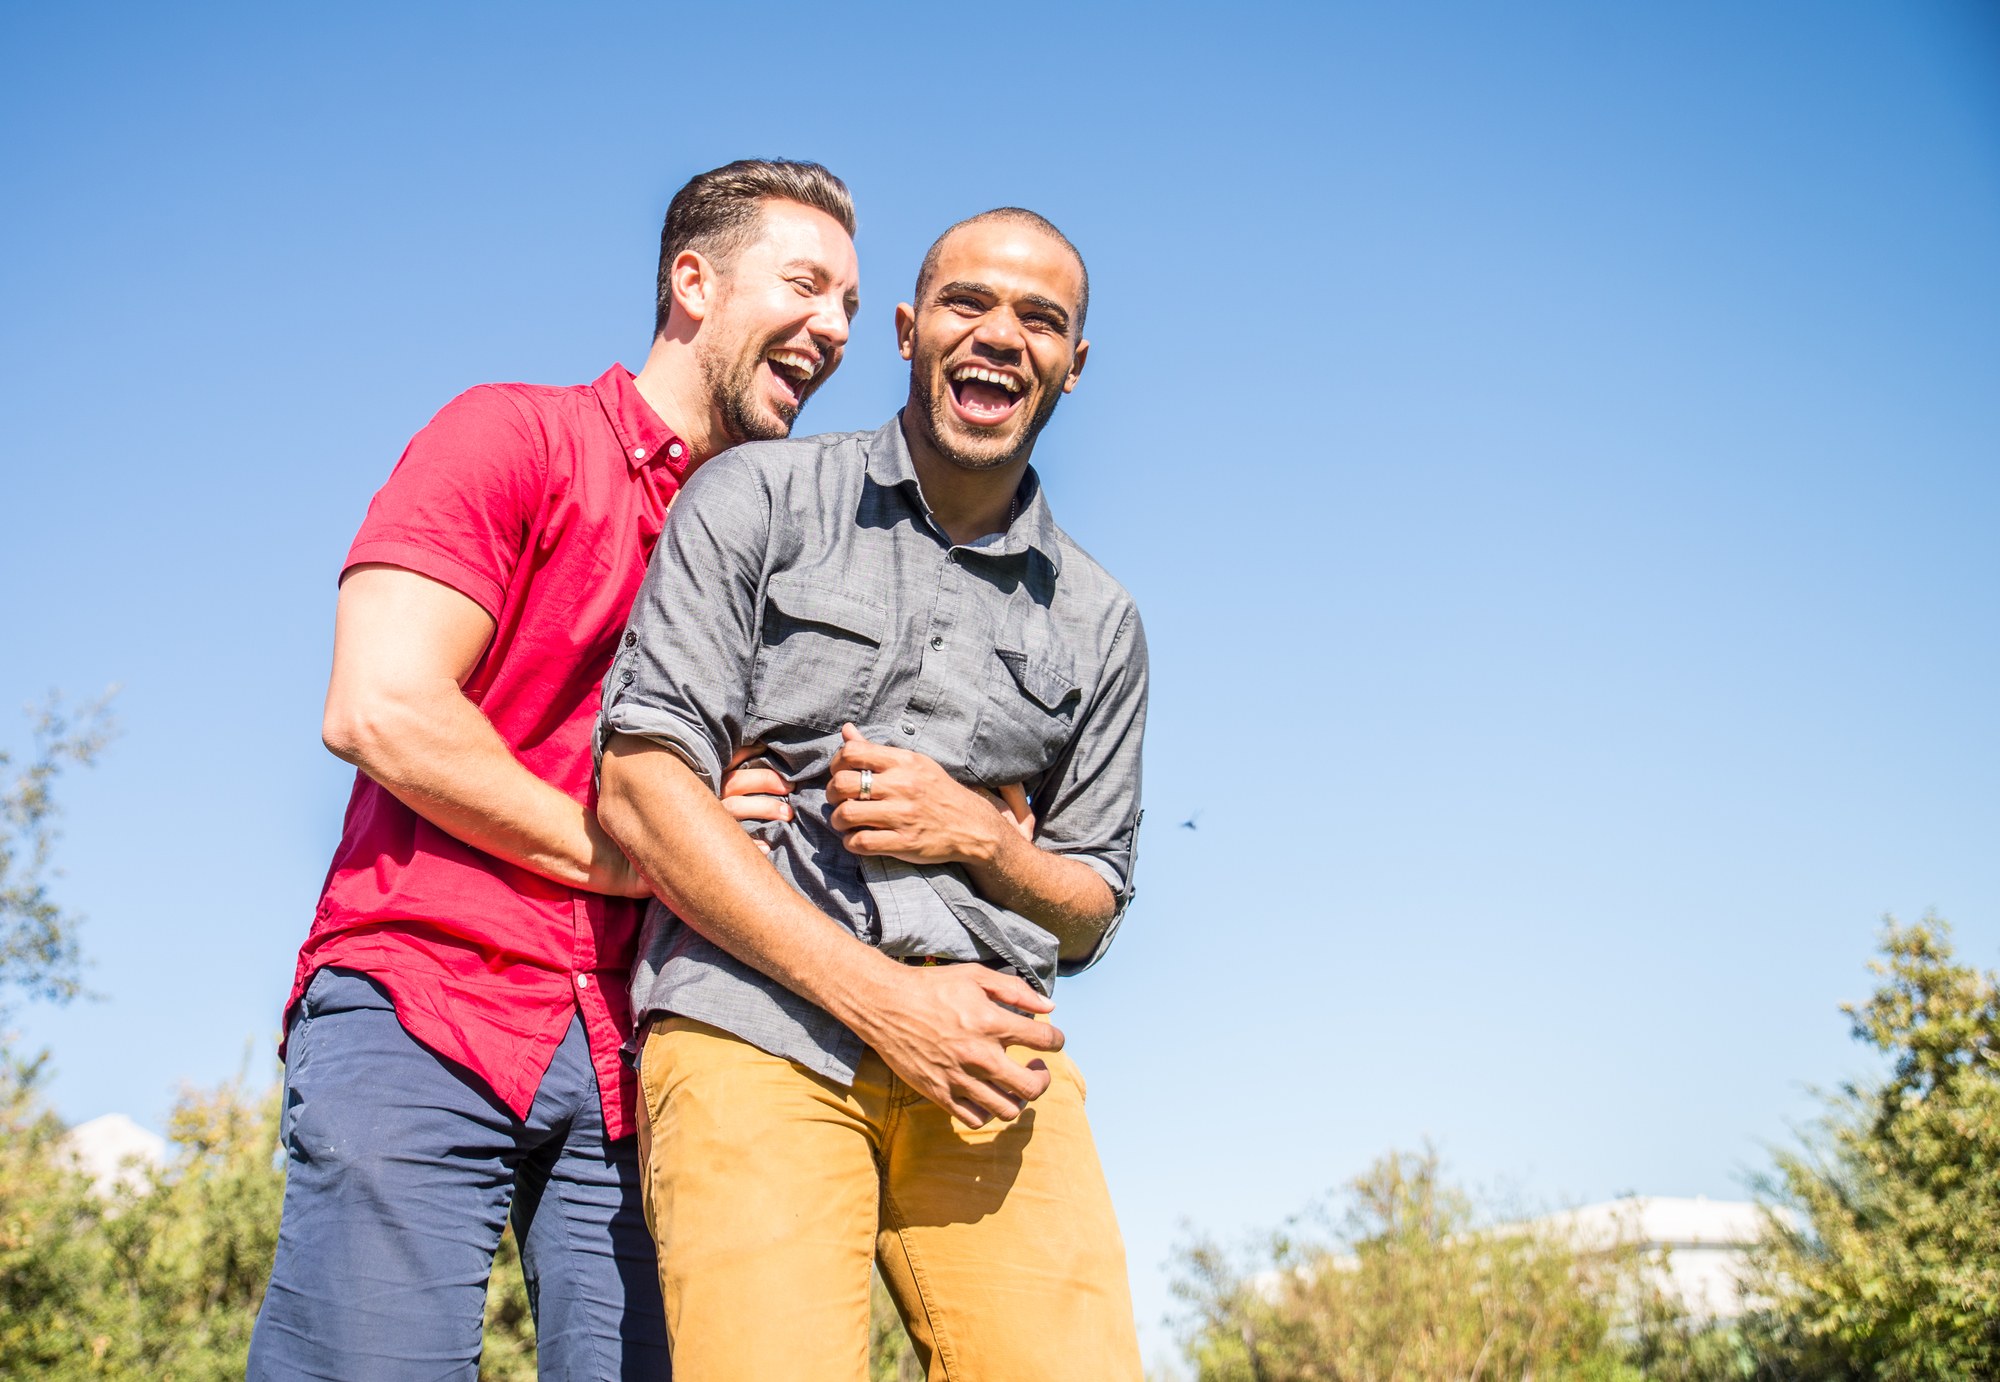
x=1051 y=306
x=966 y=286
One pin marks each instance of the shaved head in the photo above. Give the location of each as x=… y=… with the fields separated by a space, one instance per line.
x=1019 y=215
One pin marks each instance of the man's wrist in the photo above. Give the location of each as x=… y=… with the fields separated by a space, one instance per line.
x=987 y=840
x=857 y=987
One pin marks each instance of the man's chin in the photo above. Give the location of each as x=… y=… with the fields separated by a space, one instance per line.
x=760 y=422
x=976 y=449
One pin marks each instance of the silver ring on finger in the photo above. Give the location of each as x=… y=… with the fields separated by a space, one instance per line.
x=867 y=792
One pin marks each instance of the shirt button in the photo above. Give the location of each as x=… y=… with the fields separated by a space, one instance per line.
x=908 y=728
x=625 y=678
x=675 y=451
x=631 y=639
x=937 y=641
x=638 y=453
x=583 y=981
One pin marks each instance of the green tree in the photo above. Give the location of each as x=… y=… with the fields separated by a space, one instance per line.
x=189 y=1250
x=1406 y=1285
x=39 y=954
x=53 y=1258
x=1891 y=1269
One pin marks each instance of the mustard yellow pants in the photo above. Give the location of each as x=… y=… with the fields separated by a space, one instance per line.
x=770 y=1189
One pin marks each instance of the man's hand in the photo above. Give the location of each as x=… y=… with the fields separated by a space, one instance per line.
x=756 y=794
x=916 y=812
x=942 y=1029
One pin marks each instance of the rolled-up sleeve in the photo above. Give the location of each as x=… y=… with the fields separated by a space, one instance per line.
x=1088 y=806
x=683 y=664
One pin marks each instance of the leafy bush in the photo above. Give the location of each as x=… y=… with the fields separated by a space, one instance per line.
x=1406 y=1285
x=162 y=1279
x=1892 y=1269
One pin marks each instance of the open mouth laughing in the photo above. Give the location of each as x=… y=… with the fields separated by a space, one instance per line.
x=794 y=370
x=985 y=396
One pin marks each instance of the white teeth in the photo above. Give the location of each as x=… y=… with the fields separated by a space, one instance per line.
x=794 y=360
x=986 y=376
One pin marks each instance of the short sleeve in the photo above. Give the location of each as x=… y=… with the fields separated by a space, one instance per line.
x=461 y=502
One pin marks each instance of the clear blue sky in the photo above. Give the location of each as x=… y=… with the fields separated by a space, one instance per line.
x=1554 y=447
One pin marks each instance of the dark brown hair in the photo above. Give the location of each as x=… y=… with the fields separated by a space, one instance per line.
x=717 y=212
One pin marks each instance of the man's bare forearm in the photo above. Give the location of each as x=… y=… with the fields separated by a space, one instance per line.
x=944 y=1030
x=915 y=811
x=1065 y=897
x=394 y=709
x=704 y=867
x=441 y=758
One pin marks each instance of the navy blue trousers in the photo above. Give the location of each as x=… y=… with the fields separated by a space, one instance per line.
x=400 y=1170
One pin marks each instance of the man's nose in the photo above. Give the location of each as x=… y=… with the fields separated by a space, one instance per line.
x=1000 y=332
x=829 y=325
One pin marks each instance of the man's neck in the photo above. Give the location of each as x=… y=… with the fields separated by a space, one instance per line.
x=671 y=383
x=967 y=504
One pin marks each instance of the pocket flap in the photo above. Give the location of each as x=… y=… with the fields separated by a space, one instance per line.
x=1046 y=683
x=813 y=602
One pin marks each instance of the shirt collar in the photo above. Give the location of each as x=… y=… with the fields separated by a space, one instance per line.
x=1034 y=527
x=642 y=436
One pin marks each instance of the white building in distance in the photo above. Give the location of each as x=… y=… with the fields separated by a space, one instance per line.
x=115 y=1152
x=1700 y=1247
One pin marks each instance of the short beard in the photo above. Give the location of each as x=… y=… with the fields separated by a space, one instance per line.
x=932 y=418
x=731 y=382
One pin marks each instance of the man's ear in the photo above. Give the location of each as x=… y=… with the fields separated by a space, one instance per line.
x=1075 y=365
x=695 y=283
x=906 y=330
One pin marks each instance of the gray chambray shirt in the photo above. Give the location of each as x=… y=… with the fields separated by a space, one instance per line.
x=800 y=584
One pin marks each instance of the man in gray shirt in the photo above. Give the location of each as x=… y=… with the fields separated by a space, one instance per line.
x=897 y=618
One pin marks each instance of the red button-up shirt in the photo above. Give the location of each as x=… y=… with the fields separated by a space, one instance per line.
x=541 y=505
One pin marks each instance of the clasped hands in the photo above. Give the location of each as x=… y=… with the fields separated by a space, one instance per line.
x=914 y=810
x=944 y=1029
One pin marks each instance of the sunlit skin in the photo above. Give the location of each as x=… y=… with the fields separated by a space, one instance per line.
x=1003 y=299
x=750 y=339
x=404 y=643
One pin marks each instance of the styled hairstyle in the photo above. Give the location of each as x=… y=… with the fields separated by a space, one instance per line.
x=717 y=212
x=1023 y=216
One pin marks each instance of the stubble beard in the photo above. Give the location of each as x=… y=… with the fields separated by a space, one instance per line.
x=730 y=377
x=938 y=425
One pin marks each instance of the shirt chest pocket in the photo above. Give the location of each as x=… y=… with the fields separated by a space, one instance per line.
x=816 y=654
x=1030 y=705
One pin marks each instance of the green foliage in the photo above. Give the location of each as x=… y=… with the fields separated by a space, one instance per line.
x=1666 y=1346
x=189 y=1252
x=508 y=1354
x=1407 y=1286
x=1892 y=1268
x=38 y=942
x=891 y=1355
x=52 y=1255
x=163 y=1280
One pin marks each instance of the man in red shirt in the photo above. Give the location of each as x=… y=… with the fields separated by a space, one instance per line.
x=459 y=1008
